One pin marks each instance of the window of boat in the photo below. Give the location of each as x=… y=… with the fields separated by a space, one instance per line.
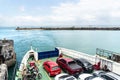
x=55 y=68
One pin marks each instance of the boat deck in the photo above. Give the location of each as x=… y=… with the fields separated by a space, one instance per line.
x=39 y=64
x=45 y=75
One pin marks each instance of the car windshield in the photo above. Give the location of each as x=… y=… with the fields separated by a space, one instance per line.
x=70 y=78
x=63 y=77
x=72 y=62
x=89 y=78
x=66 y=77
x=55 y=68
x=87 y=64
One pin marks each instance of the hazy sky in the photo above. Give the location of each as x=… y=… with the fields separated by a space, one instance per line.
x=59 y=12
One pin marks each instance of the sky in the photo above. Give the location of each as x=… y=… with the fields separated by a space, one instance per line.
x=59 y=12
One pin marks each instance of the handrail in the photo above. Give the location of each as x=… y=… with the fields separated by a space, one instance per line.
x=108 y=54
x=106 y=51
x=76 y=54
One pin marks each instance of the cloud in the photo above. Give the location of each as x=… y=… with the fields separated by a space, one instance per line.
x=28 y=20
x=88 y=11
x=22 y=8
x=115 y=14
x=25 y=20
x=84 y=12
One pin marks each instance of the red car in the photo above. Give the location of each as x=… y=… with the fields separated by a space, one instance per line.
x=52 y=68
x=69 y=66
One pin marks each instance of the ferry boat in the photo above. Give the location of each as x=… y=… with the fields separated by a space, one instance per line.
x=32 y=60
x=7 y=51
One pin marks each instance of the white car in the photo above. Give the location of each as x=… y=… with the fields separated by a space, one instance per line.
x=64 y=76
x=107 y=75
x=98 y=73
x=86 y=76
x=97 y=78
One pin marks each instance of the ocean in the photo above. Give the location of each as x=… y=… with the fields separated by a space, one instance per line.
x=43 y=40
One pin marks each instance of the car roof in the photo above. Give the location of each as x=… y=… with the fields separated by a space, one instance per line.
x=51 y=63
x=84 y=75
x=98 y=78
x=113 y=75
x=64 y=75
x=59 y=75
x=68 y=59
x=70 y=78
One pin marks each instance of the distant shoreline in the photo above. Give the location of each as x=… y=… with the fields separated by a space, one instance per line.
x=70 y=28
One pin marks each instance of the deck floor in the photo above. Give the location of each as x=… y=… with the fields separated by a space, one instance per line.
x=45 y=75
x=39 y=64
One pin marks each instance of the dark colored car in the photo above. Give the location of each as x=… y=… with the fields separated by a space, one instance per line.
x=52 y=68
x=69 y=65
x=87 y=66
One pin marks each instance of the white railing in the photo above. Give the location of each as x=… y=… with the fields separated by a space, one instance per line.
x=116 y=67
x=76 y=54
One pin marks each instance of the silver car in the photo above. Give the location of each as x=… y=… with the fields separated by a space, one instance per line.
x=107 y=75
x=86 y=76
x=64 y=76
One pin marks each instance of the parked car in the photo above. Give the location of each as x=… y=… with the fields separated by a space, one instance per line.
x=87 y=66
x=86 y=76
x=107 y=75
x=98 y=73
x=69 y=65
x=52 y=68
x=97 y=78
x=64 y=76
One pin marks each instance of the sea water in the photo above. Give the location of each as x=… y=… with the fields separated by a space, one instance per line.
x=43 y=40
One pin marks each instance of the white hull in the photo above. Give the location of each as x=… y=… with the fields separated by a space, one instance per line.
x=26 y=57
